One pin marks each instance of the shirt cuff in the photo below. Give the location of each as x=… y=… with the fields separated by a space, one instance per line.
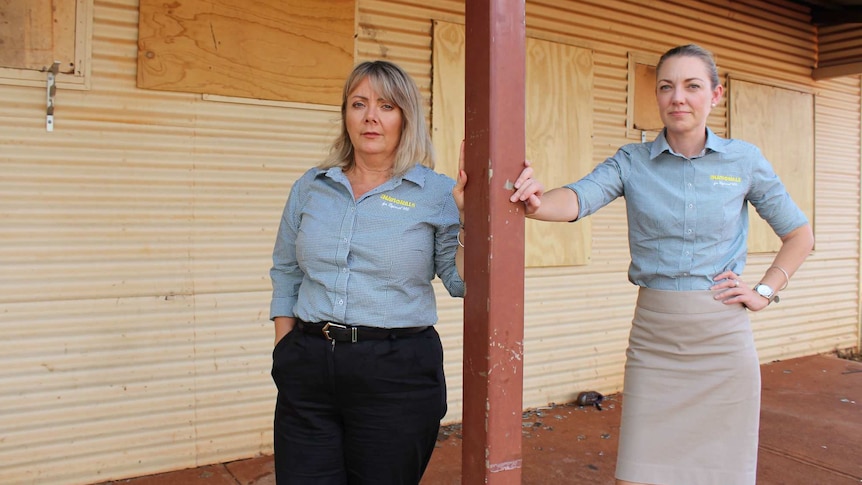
x=281 y=307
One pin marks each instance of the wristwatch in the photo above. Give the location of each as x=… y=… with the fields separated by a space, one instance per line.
x=766 y=291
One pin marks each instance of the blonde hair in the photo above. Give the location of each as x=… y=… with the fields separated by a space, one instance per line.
x=397 y=87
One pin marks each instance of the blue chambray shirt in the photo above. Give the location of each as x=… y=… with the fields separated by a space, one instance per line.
x=368 y=261
x=688 y=218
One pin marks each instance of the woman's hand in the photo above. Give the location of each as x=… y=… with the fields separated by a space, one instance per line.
x=283 y=326
x=528 y=190
x=736 y=291
x=460 y=183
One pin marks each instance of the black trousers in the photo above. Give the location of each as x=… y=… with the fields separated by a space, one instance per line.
x=363 y=413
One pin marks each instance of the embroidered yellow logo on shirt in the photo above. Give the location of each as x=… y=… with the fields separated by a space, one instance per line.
x=725 y=180
x=395 y=203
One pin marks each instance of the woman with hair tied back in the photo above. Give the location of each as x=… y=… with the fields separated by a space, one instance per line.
x=691 y=392
x=357 y=361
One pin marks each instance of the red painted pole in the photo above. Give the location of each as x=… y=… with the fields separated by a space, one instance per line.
x=494 y=304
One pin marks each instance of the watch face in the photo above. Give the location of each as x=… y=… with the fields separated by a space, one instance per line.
x=764 y=290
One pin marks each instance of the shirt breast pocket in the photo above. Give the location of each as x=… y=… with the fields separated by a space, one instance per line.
x=723 y=205
x=407 y=246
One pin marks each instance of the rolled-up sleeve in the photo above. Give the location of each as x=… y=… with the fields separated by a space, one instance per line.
x=771 y=199
x=601 y=186
x=285 y=272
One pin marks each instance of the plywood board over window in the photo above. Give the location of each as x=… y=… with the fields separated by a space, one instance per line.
x=36 y=33
x=558 y=132
x=642 y=110
x=780 y=122
x=297 y=51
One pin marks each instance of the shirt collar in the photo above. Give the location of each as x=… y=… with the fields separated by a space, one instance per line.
x=660 y=145
x=416 y=174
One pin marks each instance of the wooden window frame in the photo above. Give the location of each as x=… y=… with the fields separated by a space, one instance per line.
x=80 y=79
x=633 y=90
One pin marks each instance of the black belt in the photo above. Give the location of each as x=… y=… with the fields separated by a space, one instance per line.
x=349 y=333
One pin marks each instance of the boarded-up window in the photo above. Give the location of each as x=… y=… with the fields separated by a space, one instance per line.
x=646 y=115
x=558 y=133
x=36 y=33
x=781 y=123
x=299 y=51
x=642 y=110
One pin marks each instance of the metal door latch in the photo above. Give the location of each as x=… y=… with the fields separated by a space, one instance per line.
x=52 y=90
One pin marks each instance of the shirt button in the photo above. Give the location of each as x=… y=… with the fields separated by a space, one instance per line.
x=688 y=231
x=341 y=302
x=344 y=270
x=690 y=206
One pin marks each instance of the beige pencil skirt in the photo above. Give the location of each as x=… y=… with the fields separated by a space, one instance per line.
x=691 y=396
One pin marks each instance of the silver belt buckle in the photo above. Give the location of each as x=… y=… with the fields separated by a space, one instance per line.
x=326 y=328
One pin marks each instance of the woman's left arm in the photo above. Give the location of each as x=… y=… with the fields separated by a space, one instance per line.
x=459 y=255
x=458 y=195
x=772 y=201
x=795 y=247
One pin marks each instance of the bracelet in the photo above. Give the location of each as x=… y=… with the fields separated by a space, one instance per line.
x=786 y=276
x=458 y=237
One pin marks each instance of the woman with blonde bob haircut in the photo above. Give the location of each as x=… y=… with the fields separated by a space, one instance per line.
x=357 y=361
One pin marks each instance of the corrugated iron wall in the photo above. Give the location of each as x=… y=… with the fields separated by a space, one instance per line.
x=135 y=249
x=136 y=239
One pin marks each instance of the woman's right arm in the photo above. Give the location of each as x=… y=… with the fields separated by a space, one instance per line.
x=285 y=273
